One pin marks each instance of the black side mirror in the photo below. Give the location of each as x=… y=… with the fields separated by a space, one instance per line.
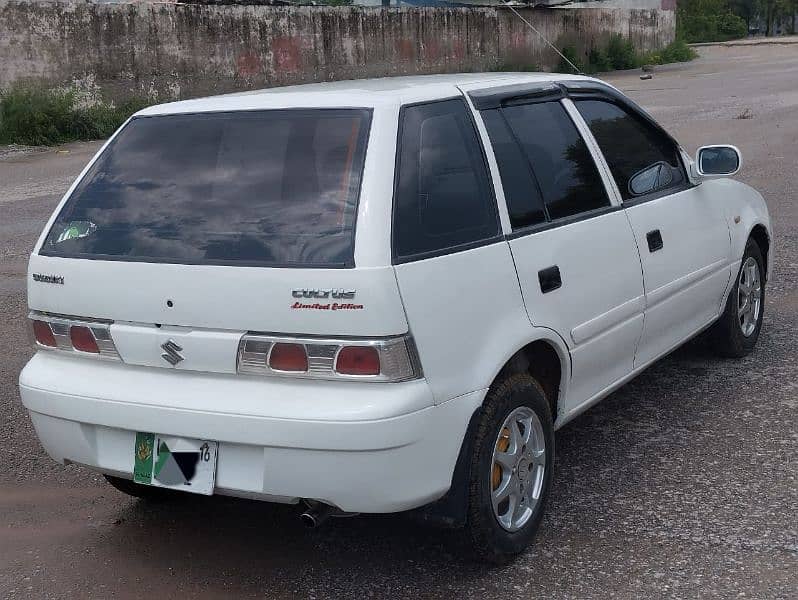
x=651 y=179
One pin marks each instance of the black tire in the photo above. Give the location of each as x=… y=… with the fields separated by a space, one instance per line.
x=726 y=335
x=137 y=490
x=488 y=540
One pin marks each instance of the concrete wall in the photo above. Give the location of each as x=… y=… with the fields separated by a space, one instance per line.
x=167 y=51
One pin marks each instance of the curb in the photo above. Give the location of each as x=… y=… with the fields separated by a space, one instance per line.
x=772 y=41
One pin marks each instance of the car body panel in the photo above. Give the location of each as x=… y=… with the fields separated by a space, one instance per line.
x=599 y=308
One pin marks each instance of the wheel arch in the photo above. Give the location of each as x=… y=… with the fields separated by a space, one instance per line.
x=761 y=236
x=547 y=359
x=538 y=351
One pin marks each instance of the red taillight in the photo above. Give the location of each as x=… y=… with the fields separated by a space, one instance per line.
x=83 y=339
x=288 y=357
x=43 y=334
x=358 y=360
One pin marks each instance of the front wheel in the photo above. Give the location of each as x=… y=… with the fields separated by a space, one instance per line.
x=734 y=335
x=511 y=469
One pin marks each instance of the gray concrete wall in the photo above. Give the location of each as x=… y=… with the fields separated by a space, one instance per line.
x=167 y=51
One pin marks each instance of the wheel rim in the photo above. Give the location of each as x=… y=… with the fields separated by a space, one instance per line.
x=517 y=469
x=749 y=296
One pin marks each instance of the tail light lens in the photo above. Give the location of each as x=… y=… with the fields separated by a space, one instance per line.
x=73 y=335
x=389 y=359
x=291 y=358
x=358 y=360
x=83 y=339
x=43 y=334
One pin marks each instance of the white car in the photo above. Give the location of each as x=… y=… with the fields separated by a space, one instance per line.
x=374 y=296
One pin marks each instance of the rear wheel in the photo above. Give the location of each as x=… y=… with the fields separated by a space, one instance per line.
x=511 y=469
x=145 y=492
x=736 y=332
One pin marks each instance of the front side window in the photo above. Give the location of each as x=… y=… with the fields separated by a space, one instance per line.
x=268 y=188
x=443 y=198
x=642 y=159
x=566 y=173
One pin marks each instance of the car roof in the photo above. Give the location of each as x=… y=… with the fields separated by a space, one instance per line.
x=361 y=93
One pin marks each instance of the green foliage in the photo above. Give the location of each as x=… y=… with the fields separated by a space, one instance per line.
x=36 y=116
x=676 y=51
x=708 y=21
x=598 y=61
x=622 y=54
x=569 y=52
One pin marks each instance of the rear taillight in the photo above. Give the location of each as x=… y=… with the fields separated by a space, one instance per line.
x=73 y=335
x=291 y=358
x=358 y=360
x=386 y=359
x=83 y=339
x=43 y=334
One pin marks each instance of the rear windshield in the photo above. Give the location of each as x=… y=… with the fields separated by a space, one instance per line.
x=268 y=188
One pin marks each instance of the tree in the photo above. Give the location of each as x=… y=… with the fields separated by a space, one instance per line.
x=747 y=9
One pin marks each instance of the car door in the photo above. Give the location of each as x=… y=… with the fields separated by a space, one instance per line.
x=684 y=241
x=574 y=250
x=454 y=269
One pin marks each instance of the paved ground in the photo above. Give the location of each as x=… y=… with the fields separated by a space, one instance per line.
x=683 y=484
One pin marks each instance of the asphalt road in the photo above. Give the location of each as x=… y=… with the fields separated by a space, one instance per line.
x=682 y=484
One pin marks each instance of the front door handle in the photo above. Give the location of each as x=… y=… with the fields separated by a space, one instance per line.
x=549 y=279
x=654 y=239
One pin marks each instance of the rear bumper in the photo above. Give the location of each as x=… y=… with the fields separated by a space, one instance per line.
x=362 y=447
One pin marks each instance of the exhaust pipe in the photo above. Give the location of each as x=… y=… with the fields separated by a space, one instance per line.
x=316 y=514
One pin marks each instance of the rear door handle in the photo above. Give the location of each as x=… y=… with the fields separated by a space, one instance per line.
x=549 y=279
x=654 y=239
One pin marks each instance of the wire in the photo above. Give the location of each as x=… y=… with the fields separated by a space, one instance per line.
x=576 y=69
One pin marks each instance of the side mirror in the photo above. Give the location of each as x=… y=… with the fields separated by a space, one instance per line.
x=718 y=161
x=651 y=179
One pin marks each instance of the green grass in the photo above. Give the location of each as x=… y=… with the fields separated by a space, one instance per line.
x=620 y=54
x=36 y=116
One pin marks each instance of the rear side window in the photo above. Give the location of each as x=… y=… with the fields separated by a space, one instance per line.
x=270 y=188
x=443 y=197
x=521 y=192
x=567 y=176
x=643 y=160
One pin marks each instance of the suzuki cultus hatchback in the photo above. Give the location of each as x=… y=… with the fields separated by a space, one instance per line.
x=376 y=296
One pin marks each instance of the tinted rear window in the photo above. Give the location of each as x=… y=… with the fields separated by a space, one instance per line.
x=271 y=188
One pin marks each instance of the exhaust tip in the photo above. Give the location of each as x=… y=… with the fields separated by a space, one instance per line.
x=308 y=520
x=316 y=515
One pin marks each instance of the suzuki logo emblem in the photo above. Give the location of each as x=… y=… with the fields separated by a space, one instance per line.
x=171 y=352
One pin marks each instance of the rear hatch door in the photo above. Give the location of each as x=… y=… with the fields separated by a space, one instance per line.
x=197 y=228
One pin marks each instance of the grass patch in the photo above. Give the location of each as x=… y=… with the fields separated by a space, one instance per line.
x=620 y=54
x=35 y=116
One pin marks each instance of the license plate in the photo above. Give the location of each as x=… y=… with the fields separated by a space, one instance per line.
x=175 y=463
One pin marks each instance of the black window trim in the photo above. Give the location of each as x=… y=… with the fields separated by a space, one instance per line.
x=519 y=93
x=522 y=94
x=492 y=201
x=563 y=221
x=349 y=264
x=580 y=90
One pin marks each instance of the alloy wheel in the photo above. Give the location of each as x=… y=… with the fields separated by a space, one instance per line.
x=518 y=467
x=749 y=296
